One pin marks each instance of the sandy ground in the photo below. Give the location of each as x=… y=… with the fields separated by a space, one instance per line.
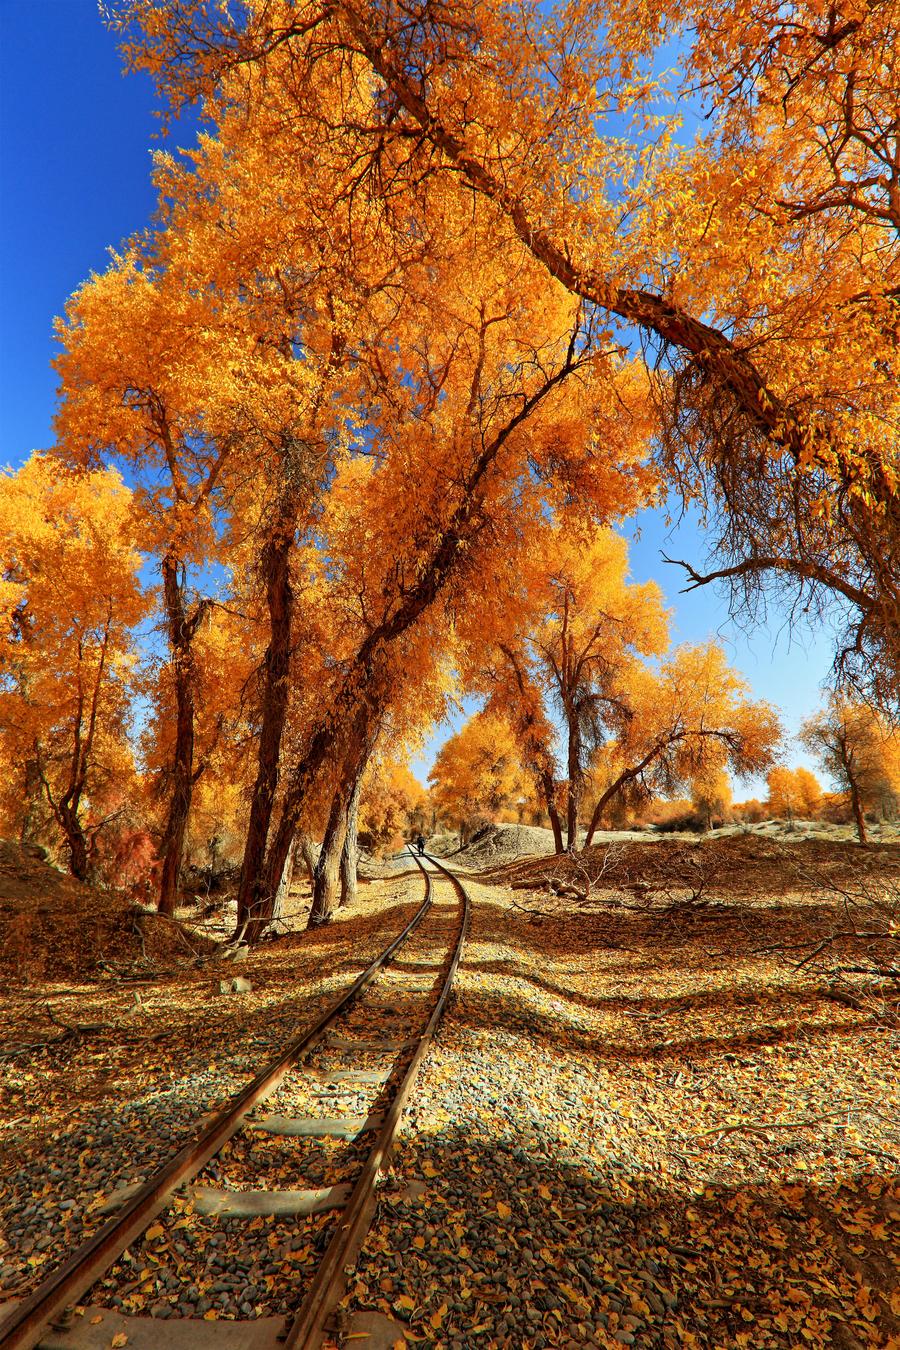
x=644 y=1124
x=650 y=1119
x=507 y=843
x=101 y=1079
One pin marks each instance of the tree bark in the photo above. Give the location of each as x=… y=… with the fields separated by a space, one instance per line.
x=307 y=854
x=31 y=795
x=548 y=786
x=276 y=567
x=326 y=877
x=181 y=638
x=284 y=885
x=328 y=872
x=350 y=851
x=858 y=815
x=556 y=827
x=573 y=790
x=76 y=841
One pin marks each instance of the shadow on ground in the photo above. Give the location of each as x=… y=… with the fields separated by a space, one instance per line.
x=516 y=1246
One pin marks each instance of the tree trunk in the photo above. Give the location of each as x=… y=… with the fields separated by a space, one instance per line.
x=321 y=745
x=32 y=795
x=857 y=810
x=573 y=792
x=76 y=840
x=326 y=877
x=350 y=851
x=367 y=671
x=284 y=885
x=276 y=566
x=181 y=636
x=556 y=827
x=352 y=710
x=538 y=758
x=548 y=788
x=307 y=853
x=628 y=776
x=328 y=869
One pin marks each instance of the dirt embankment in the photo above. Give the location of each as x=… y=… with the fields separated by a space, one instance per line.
x=737 y=865
x=53 y=927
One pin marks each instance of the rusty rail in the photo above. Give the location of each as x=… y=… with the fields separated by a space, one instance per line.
x=23 y=1328
x=308 y=1329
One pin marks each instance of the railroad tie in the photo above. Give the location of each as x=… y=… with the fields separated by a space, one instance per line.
x=99 y=1332
x=116 y=1199
x=392 y=1016
x=251 y=1204
x=340 y=1043
x=333 y=1127
x=350 y=1075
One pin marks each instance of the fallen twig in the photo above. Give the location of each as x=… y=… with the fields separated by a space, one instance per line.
x=762 y=1127
x=77 y=1028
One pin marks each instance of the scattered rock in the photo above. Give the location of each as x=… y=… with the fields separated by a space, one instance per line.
x=238 y=985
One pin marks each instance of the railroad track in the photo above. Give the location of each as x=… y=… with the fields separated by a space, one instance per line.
x=406 y=1030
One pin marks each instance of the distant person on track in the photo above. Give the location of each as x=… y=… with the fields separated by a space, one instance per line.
x=420 y=844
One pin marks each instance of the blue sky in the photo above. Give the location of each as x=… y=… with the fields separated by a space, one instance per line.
x=76 y=138
x=75 y=147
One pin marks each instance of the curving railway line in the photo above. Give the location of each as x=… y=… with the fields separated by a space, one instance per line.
x=405 y=1016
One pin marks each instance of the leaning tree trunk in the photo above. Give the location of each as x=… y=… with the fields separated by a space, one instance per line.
x=326 y=877
x=350 y=851
x=367 y=669
x=352 y=710
x=858 y=816
x=181 y=636
x=284 y=886
x=307 y=853
x=573 y=793
x=549 y=790
x=328 y=868
x=276 y=563
x=76 y=840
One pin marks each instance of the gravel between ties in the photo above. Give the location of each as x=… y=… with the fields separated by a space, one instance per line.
x=103 y=1111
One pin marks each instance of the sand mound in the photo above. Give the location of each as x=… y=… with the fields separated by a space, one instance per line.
x=54 y=927
x=497 y=844
x=743 y=864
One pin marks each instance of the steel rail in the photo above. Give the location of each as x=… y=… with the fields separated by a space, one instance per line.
x=24 y=1326
x=308 y=1330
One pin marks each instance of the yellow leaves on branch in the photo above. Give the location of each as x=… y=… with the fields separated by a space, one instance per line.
x=793 y=792
x=70 y=597
x=478 y=774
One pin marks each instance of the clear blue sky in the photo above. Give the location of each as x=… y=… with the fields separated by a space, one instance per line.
x=76 y=138
x=75 y=147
